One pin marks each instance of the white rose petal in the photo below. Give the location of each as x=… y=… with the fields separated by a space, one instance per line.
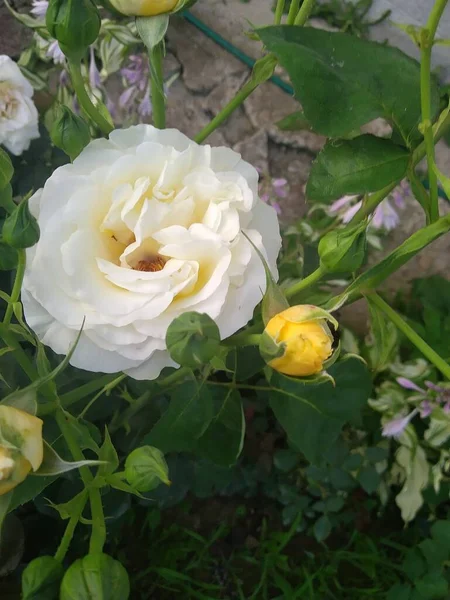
x=139 y=229
x=18 y=114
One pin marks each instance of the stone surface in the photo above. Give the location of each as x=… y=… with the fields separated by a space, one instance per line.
x=13 y=36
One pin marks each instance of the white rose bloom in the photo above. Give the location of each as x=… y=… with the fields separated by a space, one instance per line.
x=139 y=229
x=18 y=114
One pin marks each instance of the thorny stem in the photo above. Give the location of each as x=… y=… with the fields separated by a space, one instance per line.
x=70 y=529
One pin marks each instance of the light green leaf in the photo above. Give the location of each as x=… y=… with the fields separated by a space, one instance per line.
x=25 y=19
x=53 y=464
x=72 y=507
x=109 y=455
x=343 y=82
x=115 y=481
x=28 y=490
x=385 y=338
x=22 y=400
x=358 y=166
x=294 y=122
x=313 y=414
x=413 y=461
x=152 y=29
x=223 y=439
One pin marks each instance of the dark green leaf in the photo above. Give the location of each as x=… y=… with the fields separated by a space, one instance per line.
x=41 y=579
x=414 y=564
x=440 y=531
x=223 y=439
x=433 y=586
x=184 y=422
x=400 y=591
x=28 y=490
x=322 y=528
x=375 y=454
x=93 y=577
x=108 y=454
x=343 y=82
x=313 y=414
x=364 y=164
x=294 y=122
x=369 y=478
x=285 y=460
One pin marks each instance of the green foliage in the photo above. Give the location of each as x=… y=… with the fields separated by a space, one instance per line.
x=357 y=166
x=313 y=414
x=75 y=24
x=193 y=339
x=41 y=579
x=69 y=132
x=20 y=229
x=368 y=80
x=6 y=169
x=95 y=576
x=146 y=468
x=343 y=250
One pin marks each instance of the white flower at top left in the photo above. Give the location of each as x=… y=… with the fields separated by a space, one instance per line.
x=18 y=114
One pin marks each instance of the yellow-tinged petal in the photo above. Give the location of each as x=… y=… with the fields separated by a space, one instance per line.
x=307 y=344
x=11 y=476
x=23 y=432
x=144 y=8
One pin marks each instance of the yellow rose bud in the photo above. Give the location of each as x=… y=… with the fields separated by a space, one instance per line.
x=21 y=446
x=144 y=8
x=305 y=338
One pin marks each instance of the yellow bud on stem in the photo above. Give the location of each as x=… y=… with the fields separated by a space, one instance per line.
x=304 y=338
x=144 y=8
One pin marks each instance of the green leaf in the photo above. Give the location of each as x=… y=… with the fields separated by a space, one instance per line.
x=400 y=591
x=5 y=504
x=72 y=507
x=94 y=577
x=440 y=531
x=109 y=455
x=152 y=29
x=369 y=479
x=414 y=564
x=343 y=82
x=322 y=528
x=433 y=586
x=25 y=19
x=41 y=579
x=28 y=490
x=223 y=439
x=53 y=464
x=314 y=414
x=358 y=166
x=286 y=459
x=385 y=338
x=294 y=122
x=23 y=400
x=184 y=422
x=146 y=468
x=115 y=481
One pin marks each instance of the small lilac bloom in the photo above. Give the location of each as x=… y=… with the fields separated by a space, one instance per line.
x=277 y=208
x=351 y=212
x=55 y=53
x=64 y=78
x=265 y=198
x=447 y=408
x=126 y=96
x=341 y=203
x=94 y=73
x=409 y=385
x=398 y=198
x=145 y=106
x=397 y=426
x=279 y=182
x=39 y=9
x=426 y=409
x=385 y=216
x=434 y=387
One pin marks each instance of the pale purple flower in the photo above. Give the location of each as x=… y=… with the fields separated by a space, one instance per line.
x=265 y=198
x=447 y=408
x=55 y=53
x=94 y=73
x=341 y=203
x=385 y=216
x=426 y=408
x=39 y=9
x=395 y=427
x=145 y=106
x=351 y=212
x=436 y=388
x=409 y=385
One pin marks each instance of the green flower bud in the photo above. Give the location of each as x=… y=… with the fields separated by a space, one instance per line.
x=193 y=339
x=20 y=229
x=70 y=132
x=75 y=24
x=146 y=468
x=6 y=199
x=8 y=257
x=93 y=577
x=343 y=250
x=6 y=169
x=41 y=579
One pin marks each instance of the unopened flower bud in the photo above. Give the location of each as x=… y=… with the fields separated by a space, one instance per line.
x=145 y=8
x=70 y=132
x=343 y=250
x=42 y=578
x=146 y=468
x=75 y=24
x=20 y=229
x=21 y=446
x=6 y=169
x=193 y=339
x=298 y=340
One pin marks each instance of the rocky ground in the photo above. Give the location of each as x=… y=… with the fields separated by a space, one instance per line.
x=210 y=76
